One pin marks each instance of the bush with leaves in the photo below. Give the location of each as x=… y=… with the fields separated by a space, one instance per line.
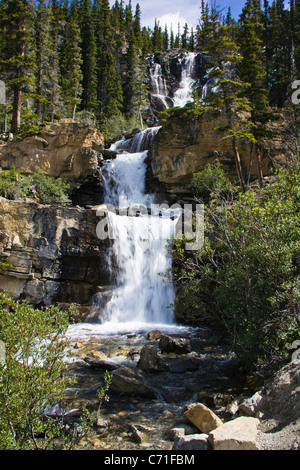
x=32 y=376
x=40 y=187
x=13 y=185
x=246 y=277
x=117 y=126
x=50 y=191
x=211 y=182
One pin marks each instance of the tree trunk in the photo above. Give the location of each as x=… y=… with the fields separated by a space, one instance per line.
x=74 y=112
x=16 y=117
x=259 y=166
x=238 y=165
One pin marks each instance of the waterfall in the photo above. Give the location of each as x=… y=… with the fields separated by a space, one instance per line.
x=184 y=93
x=186 y=86
x=138 y=259
x=158 y=83
x=141 y=295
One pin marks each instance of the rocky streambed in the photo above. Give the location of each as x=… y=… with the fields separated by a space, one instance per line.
x=154 y=377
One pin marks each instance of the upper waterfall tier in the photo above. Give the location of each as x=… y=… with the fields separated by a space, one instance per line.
x=138 y=143
x=173 y=78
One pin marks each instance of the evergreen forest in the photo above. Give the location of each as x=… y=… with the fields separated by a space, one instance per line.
x=87 y=59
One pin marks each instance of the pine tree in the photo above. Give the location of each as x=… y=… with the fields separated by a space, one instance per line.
x=279 y=56
x=55 y=107
x=136 y=101
x=184 y=37
x=192 y=43
x=88 y=53
x=228 y=96
x=18 y=53
x=137 y=26
x=253 y=71
x=146 y=43
x=172 y=40
x=71 y=74
x=252 y=66
x=157 y=38
x=48 y=90
x=109 y=90
x=166 y=38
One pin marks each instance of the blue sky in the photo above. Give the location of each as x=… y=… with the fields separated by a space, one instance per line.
x=183 y=11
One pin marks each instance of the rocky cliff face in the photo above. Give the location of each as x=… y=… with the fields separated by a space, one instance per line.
x=55 y=253
x=67 y=149
x=185 y=144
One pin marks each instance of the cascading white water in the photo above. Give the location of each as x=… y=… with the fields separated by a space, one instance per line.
x=184 y=93
x=141 y=295
x=159 y=84
x=142 y=298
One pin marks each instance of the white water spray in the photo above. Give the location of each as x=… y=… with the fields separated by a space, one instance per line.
x=184 y=93
x=142 y=295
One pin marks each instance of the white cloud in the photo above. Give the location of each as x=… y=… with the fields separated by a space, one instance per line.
x=182 y=11
x=168 y=11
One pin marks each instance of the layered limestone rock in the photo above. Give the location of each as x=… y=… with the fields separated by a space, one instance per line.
x=66 y=149
x=185 y=144
x=54 y=253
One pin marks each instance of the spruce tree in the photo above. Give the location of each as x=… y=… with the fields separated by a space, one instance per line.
x=252 y=68
x=71 y=75
x=137 y=26
x=136 y=101
x=88 y=54
x=18 y=53
x=109 y=90
x=253 y=71
x=49 y=100
x=157 y=38
x=228 y=94
x=280 y=52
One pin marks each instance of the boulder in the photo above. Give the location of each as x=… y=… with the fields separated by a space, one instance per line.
x=103 y=364
x=181 y=430
x=250 y=407
x=191 y=442
x=130 y=381
x=202 y=417
x=238 y=434
x=167 y=344
x=150 y=361
x=154 y=335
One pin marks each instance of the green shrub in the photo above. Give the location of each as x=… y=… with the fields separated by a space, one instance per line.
x=32 y=376
x=13 y=185
x=211 y=182
x=42 y=188
x=246 y=277
x=50 y=191
x=117 y=126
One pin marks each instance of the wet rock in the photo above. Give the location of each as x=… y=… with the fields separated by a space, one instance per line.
x=183 y=364
x=102 y=423
x=129 y=381
x=136 y=435
x=191 y=442
x=154 y=335
x=238 y=434
x=150 y=361
x=202 y=417
x=100 y=363
x=167 y=344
